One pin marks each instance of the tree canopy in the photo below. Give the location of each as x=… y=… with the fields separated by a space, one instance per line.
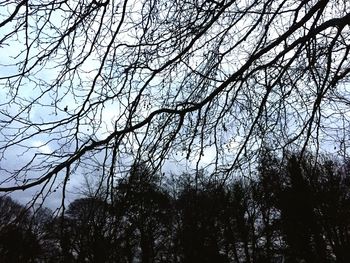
x=87 y=84
x=290 y=212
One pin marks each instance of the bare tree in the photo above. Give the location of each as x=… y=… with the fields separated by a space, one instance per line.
x=87 y=84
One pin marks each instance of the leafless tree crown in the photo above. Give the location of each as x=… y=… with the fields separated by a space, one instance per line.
x=85 y=85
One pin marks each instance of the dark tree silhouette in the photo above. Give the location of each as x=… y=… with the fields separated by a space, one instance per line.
x=293 y=209
x=333 y=200
x=266 y=192
x=298 y=217
x=87 y=221
x=18 y=243
x=200 y=226
x=307 y=196
x=11 y=212
x=145 y=209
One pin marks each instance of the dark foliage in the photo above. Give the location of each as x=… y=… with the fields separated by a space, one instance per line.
x=293 y=210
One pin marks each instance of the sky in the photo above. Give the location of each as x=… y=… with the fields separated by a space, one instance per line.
x=50 y=126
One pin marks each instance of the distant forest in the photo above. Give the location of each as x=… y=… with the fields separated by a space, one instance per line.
x=289 y=210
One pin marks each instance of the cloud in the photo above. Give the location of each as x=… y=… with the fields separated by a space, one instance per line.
x=42 y=147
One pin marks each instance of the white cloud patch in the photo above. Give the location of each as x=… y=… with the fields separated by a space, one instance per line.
x=42 y=147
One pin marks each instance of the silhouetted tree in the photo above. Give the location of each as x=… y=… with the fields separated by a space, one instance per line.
x=88 y=221
x=145 y=209
x=200 y=209
x=308 y=200
x=12 y=212
x=333 y=207
x=294 y=208
x=40 y=222
x=18 y=243
x=266 y=190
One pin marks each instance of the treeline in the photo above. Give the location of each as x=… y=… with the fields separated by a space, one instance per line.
x=291 y=210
